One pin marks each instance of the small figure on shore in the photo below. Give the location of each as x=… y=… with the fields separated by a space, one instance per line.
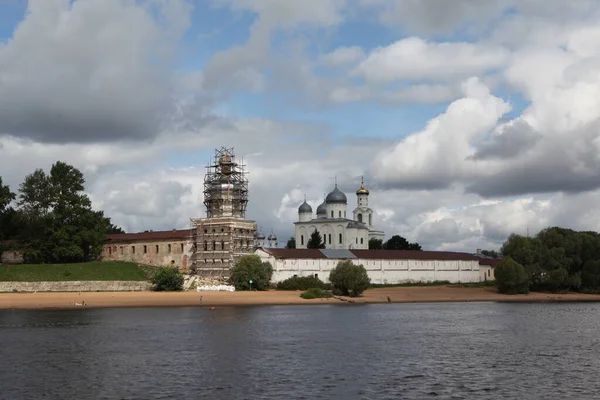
x=389 y=299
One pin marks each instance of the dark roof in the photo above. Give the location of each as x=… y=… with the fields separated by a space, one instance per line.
x=305 y=208
x=150 y=235
x=322 y=209
x=490 y=261
x=294 y=253
x=374 y=254
x=336 y=196
x=413 y=255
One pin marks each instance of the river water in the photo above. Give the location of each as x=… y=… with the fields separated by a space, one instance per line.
x=386 y=351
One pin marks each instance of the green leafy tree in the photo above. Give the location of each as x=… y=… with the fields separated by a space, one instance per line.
x=251 y=268
x=315 y=241
x=7 y=214
x=168 y=279
x=398 y=242
x=349 y=279
x=58 y=223
x=375 y=244
x=291 y=243
x=490 y=253
x=511 y=277
x=590 y=276
x=112 y=228
x=6 y=197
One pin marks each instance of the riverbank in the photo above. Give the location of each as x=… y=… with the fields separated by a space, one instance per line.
x=220 y=299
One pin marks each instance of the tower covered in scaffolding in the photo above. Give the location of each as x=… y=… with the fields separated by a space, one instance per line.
x=224 y=236
x=225 y=186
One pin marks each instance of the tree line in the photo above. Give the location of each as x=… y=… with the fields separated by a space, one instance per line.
x=556 y=259
x=50 y=219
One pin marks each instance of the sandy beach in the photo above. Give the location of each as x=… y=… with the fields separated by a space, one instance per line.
x=272 y=297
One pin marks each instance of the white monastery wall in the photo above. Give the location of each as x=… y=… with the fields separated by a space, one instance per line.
x=380 y=271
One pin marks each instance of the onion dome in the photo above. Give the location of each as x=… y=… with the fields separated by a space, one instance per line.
x=322 y=209
x=305 y=208
x=362 y=189
x=272 y=236
x=260 y=236
x=336 y=197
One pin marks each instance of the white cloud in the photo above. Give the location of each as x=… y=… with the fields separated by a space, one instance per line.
x=343 y=56
x=416 y=59
x=92 y=59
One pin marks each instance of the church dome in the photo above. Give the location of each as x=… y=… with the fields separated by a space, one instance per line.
x=272 y=236
x=322 y=209
x=260 y=236
x=305 y=208
x=336 y=196
x=362 y=189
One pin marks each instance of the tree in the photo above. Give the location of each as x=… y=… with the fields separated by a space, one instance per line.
x=112 y=228
x=590 y=276
x=511 y=277
x=6 y=197
x=291 y=243
x=397 y=242
x=315 y=241
x=490 y=253
x=251 y=268
x=375 y=244
x=348 y=278
x=57 y=222
x=7 y=214
x=168 y=279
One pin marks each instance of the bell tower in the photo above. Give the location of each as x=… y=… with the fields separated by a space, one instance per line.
x=362 y=212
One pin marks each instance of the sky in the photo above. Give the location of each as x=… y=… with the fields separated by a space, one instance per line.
x=469 y=120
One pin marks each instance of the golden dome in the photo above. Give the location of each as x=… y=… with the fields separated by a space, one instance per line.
x=362 y=189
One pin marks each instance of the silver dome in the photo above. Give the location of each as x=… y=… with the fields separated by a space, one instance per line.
x=260 y=236
x=336 y=196
x=272 y=236
x=322 y=209
x=305 y=208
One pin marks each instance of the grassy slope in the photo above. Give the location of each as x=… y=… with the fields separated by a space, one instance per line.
x=90 y=271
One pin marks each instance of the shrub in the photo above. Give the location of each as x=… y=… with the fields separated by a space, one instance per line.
x=251 y=268
x=168 y=279
x=302 y=283
x=511 y=277
x=349 y=279
x=315 y=293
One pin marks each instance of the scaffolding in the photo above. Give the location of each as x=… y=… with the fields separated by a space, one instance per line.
x=224 y=236
x=225 y=186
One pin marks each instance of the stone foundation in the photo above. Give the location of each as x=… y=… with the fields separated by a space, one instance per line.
x=76 y=286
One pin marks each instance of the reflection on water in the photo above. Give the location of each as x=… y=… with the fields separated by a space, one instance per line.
x=391 y=351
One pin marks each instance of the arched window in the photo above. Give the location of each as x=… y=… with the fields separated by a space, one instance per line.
x=340 y=238
x=340 y=214
x=205 y=245
x=359 y=217
x=302 y=240
x=370 y=219
x=222 y=245
x=331 y=213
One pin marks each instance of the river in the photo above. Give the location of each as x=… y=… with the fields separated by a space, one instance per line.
x=384 y=351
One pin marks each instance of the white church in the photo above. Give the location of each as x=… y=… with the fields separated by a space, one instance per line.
x=338 y=231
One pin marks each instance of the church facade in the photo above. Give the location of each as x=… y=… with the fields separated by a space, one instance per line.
x=332 y=222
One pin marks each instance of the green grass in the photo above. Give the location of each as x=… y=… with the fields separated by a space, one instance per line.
x=90 y=271
x=315 y=293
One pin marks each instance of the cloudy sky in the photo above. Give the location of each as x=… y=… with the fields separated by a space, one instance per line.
x=470 y=119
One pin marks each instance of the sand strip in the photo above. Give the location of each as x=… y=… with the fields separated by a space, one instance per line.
x=51 y=300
